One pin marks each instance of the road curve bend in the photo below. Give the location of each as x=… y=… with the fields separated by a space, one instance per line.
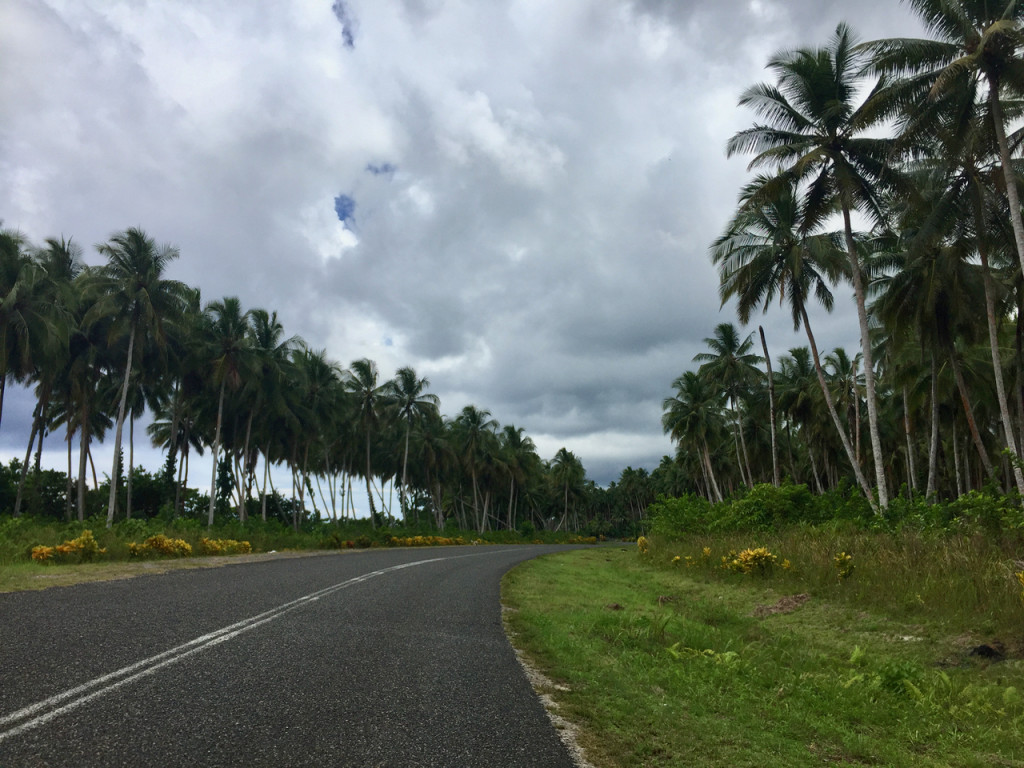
x=375 y=659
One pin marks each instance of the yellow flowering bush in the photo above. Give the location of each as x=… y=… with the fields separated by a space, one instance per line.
x=642 y=545
x=426 y=541
x=80 y=549
x=844 y=565
x=160 y=545
x=1020 y=580
x=756 y=560
x=223 y=547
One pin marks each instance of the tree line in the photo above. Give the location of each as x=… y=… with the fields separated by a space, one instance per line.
x=919 y=139
x=102 y=345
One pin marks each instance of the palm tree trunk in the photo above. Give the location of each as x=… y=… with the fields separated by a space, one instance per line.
x=28 y=456
x=956 y=462
x=993 y=343
x=972 y=426
x=933 y=442
x=711 y=472
x=131 y=465
x=112 y=504
x=68 y=486
x=911 y=464
x=830 y=402
x=1005 y=160
x=405 y=465
x=263 y=491
x=776 y=479
x=369 y=490
x=869 y=366
x=216 y=449
x=83 y=457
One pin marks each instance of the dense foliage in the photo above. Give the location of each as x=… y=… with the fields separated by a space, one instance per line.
x=918 y=140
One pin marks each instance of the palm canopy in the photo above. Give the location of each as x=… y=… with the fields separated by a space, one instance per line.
x=817 y=131
x=767 y=252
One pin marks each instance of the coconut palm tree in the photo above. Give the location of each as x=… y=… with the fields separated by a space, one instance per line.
x=972 y=41
x=371 y=398
x=412 y=403
x=131 y=288
x=475 y=432
x=566 y=471
x=693 y=416
x=228 y=351
x=733 y=367
x=770 y=250
x=817 y=133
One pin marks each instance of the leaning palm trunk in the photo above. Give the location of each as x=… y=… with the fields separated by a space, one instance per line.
x=972 y=426
x=869 y=367
x=993 y=343
x=711 y=472
x=771 y=409
x=1008 y=175
x=36 y=419
x=830 y=402
x=112 y=504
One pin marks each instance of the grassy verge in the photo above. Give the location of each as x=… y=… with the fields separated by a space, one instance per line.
x=121 y=551
x=668 y=666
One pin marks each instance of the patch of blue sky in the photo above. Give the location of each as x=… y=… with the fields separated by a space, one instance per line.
x=345 y=207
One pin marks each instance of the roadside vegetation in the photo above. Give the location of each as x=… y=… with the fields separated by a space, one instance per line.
x=731 y=637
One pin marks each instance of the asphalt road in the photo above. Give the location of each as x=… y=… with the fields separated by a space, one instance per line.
x=375 y=658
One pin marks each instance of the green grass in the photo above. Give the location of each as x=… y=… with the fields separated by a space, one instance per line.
x=668 y=666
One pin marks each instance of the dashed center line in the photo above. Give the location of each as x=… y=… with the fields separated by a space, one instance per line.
x=43 y=711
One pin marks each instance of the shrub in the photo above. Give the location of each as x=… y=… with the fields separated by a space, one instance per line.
x=674 y=517
x=758 y=560
x=83 y=548
x=162 y=546
x=223 y=547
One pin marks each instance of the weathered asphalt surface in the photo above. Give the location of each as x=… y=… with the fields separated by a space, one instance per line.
x=409 y=667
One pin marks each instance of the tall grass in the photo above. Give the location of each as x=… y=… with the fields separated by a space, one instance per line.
x=955 y=565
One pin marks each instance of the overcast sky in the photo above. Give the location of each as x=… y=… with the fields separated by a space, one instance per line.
x=515 y=197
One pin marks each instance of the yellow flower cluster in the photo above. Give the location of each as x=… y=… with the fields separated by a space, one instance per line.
x=758 y=559
x=160 y=545
x=426 y=541
x=844 y=565
x=1020 y=580
x=84 y=547
x=224 y=547
x=642 y=545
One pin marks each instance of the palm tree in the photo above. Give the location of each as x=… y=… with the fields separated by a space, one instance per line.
x=770 y=250
x=228 y=349
x=133 y=291
x=519 y=455
x=475 y=429
x=25 y=327
x=972 y=40
x=412 y=403
x=693 y=416
x=370 y=401
x=567 y=471
x=734 y=368
x=818 y=134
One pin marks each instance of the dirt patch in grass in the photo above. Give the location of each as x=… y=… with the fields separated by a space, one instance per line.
x=786 y=604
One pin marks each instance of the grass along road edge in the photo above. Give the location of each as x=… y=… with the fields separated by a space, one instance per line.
x=666 y=667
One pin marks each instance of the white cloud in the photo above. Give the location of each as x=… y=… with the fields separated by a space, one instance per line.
x=536 y=184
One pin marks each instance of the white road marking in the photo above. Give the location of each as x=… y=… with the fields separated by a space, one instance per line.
x=43 y=711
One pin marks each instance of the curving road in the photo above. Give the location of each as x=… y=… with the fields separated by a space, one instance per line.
x=375 y=658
